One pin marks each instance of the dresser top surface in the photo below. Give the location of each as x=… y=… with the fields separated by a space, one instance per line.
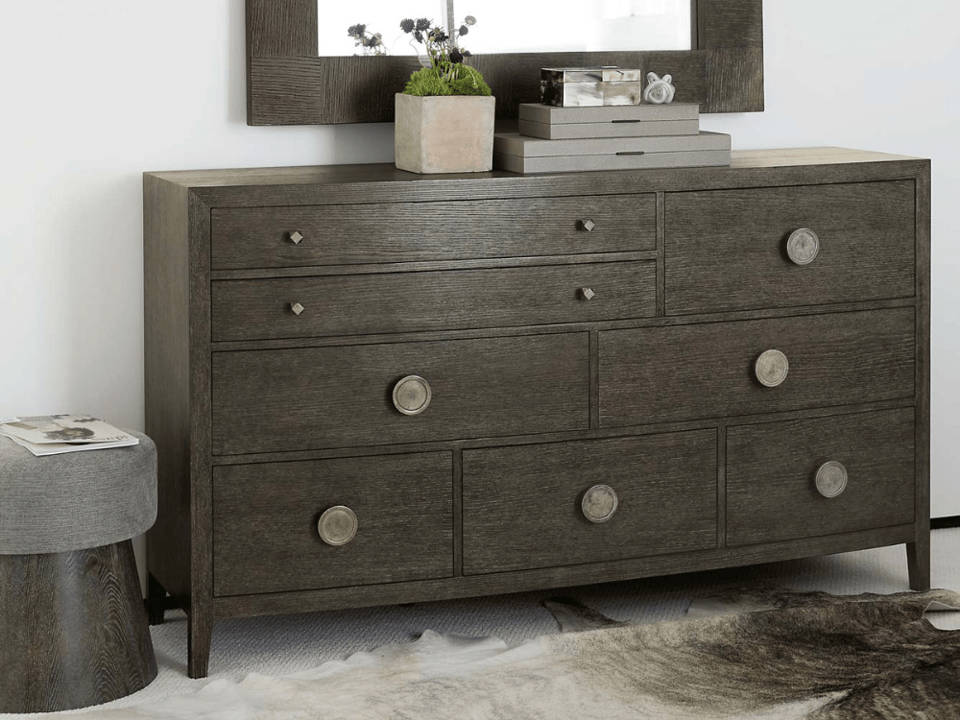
x=387 y=172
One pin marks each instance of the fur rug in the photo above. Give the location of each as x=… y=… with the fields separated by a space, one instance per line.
x=759 y=653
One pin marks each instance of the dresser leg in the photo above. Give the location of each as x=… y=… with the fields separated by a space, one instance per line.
x=156 y=600
x=918 y=562
x=199 y=635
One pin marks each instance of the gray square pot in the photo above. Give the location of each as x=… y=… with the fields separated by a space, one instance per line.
x=444 y=134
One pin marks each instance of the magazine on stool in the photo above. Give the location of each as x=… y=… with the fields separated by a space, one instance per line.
x=55 y=434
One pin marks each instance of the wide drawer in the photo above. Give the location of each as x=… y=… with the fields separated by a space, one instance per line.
x=728 y=249
x=709 y=370
x=271 y=400
x=265 y=523
x=772 y=469
x=399 y=232
x=522 y=506
x=444 y=300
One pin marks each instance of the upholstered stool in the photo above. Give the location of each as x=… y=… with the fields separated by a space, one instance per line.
x=73 y=627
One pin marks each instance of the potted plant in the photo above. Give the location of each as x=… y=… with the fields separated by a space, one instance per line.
x=445 y=115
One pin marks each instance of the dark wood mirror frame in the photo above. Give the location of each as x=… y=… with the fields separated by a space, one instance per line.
x=287 y=84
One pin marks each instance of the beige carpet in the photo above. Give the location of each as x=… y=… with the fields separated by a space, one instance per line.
x=295 y=644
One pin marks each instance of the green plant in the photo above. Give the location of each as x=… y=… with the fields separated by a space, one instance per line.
x=445 y=73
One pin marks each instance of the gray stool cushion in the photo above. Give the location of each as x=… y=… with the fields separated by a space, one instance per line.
x=75 y=500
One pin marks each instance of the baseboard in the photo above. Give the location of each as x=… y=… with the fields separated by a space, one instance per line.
x=945 y=522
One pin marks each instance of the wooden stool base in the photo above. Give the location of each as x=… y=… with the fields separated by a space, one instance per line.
x=73 y=629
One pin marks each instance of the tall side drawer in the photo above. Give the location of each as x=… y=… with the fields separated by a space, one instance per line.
x=522 y=506
x=273 y=400
x=730 y=249
x=400 y=232
x=445 y=300
x=709 y=370
x=265 y=523
x=772 y=473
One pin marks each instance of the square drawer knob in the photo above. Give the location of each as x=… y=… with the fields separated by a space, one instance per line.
x=588 y=225
x=297 y=308
x=296 y=236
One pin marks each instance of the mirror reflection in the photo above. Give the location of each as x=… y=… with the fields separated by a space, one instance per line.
x=508 y=26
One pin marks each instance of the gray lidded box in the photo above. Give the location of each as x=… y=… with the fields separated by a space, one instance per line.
x=521 y=154
x=601 y=85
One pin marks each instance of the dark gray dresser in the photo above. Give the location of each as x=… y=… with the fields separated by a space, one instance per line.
x=371 y=387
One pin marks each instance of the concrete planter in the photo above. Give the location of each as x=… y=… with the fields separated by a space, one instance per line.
x=444 y=134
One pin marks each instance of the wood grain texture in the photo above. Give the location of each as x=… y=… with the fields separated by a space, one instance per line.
x=288 y=84
x=771 y=493
x=265 y=523
x=408 y=232
x=501 y=388
x=521 y=505
x=73 y=630
x=918 y=552
x=556 y=577
x=328 y=397
x=407 y=302
x=726 y=250
x=661 y=374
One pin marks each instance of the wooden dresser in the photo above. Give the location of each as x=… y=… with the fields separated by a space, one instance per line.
x=371 y=387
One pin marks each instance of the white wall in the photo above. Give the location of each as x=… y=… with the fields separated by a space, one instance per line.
x=97 y=91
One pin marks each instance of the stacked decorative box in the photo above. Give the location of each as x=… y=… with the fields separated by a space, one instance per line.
x=600 y=127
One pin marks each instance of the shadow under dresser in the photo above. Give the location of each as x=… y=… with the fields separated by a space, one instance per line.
x=370 y=387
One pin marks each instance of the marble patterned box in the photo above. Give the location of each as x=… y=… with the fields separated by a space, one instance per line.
x=601 y=85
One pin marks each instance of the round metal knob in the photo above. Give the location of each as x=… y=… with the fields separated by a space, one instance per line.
x=337 y=525
x=588 y=225
x=831 y=479
x=599 y=503
x=803 y=246
x=411 y=395
x=296 y=236
x=587 y=293
x=297 y=308
x=771 y=368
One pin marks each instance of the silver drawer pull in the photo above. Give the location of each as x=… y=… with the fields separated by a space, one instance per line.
x=587 y=293
x=803 y=246
x=411 y=395
x=588 y=225
x=297 y=308
x=771 y=368
x=296 y=236
x=599 y=503
x=337 y=525
x=831 y=479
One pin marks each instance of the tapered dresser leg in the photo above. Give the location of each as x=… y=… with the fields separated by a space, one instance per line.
x=918 y=562
x=198 y=643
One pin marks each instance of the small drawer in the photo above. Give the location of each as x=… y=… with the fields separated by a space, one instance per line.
x=423 y=301
x=384 y=519
x=549 y=505
x=755 y=366
x=808 y=478
x=352 y=395
x=789 y=246
x=401 y=232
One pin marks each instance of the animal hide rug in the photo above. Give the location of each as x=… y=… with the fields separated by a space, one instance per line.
x=788 y=655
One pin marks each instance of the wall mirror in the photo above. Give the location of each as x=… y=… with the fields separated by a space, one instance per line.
x=303 y=68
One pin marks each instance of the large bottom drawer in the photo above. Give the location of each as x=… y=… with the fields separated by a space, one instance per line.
x=523 y=506
x=265 y=523
x=772 y=476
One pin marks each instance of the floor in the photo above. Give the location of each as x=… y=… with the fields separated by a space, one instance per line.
x=285 y=644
